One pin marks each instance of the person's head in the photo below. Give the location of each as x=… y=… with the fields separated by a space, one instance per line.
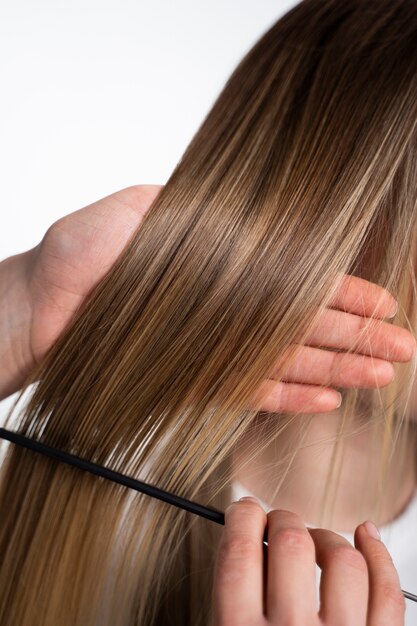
x=306 y=166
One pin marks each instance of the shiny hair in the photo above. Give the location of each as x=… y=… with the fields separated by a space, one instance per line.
x=304 y=168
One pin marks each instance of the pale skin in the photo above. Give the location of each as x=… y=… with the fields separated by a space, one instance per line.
x=41 y=290
x=359 y=584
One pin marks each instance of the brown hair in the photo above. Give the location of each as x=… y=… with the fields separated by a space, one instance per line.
x=304 y=168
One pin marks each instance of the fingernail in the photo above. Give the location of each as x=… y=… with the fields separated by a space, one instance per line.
x=340 y=400
x=372 y=530
x=395 y=311
x=249 y=498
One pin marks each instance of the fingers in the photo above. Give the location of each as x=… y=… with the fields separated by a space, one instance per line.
x=139 y=198
x=344 y=580
x=291 y=584
x=336 y=329
x=135 y=202
x=361 y=297
x=325 y=367
x=359 y=585
x=238 y=578
x=386 y=600
x=281 y=397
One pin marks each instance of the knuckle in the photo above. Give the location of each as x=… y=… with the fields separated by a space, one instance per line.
x=55 y=237
x=137 y=192
x=293 y=539
x=348 y=556
x=139 y=195
x=239 y=547
x=53 y=231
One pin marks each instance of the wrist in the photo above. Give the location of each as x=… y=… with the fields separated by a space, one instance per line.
x=16 y=358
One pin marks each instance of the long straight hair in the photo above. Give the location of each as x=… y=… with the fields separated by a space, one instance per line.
x=305 y=169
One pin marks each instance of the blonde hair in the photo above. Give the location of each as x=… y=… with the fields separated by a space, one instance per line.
x=304 y=169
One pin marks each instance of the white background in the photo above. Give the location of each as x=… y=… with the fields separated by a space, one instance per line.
x=100 y=95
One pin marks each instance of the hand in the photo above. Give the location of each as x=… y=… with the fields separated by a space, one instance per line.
x=47 y=284
x=338 y=327
x=359 y=585
x=41 y=289
x=75 y=254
